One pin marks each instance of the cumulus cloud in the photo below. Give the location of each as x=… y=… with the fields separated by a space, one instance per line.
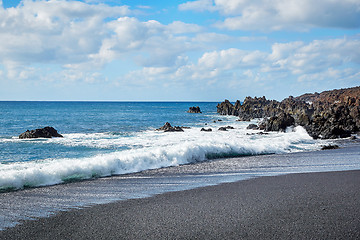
x=81 y=36
x=317 y=56
x=334 y=60
x=53 y=31
x=281 y=14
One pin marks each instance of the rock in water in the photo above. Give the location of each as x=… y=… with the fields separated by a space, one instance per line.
x=168 y=128
x=327 y=147
x=279 y=122
x=206 y=130
x=46 y=132
x=194 y=110
x=226 y=108
x=225 y=128
x=326 y=115
x=253 y=126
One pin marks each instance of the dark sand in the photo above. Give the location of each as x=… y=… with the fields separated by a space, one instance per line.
x=295 y=206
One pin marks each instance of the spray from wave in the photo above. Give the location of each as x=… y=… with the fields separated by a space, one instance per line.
x=147 y=150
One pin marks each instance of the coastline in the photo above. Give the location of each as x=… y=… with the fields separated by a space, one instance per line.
x=306 y=205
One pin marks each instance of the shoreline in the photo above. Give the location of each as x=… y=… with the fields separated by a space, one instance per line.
x=301 y=205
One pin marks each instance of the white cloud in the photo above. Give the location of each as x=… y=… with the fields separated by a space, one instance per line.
x=333 y=61
x=231 y=59
x=281 y=14
x=300 y=58
x=83 y=37
x=178 y=27
x=53 y=31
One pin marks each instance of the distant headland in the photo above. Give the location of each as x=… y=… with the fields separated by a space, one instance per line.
x=329 y=114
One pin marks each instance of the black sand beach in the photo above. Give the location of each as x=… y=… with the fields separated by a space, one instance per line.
x=295 y=206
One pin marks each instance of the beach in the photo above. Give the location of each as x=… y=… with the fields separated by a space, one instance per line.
x=293 y=206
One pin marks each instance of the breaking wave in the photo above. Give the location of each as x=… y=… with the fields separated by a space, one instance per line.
x=146 y=150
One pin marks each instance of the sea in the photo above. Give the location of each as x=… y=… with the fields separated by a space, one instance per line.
x=111 y=151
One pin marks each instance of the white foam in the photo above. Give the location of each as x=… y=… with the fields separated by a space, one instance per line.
x=148 y=150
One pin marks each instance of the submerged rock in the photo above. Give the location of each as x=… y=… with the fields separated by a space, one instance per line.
x=46 y=132
x=168 y=128
x=194 y=110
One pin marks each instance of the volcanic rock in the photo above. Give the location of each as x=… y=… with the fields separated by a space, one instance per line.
x=168 y=128
x=46 y=132
x=330 y=114
x=194 y=110
x=225 y=128
x=279 y=122
x=226 y=108
x=252 y=126
x=206 y=130
x=327 y=147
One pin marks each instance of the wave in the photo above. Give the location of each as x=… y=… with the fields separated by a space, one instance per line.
x=147 y=150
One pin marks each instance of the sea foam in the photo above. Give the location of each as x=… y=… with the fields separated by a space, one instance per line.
x=147 y=150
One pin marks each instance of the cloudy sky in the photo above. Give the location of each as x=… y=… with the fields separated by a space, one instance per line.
x=204 y=50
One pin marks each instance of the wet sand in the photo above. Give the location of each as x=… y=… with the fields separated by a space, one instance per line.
x=295 y=206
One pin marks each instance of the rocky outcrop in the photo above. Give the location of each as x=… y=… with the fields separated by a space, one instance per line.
x=206 y=130
x=327 y=147
x=225 y=128
x=168 y=128
x=194 y=110
x=226 y=108
x=329 y=114
x=279 y=122
x=46 y=132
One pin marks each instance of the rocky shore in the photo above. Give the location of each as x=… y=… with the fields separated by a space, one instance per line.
x=329 y=114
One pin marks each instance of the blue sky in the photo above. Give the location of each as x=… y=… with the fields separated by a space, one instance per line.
x=204 y=50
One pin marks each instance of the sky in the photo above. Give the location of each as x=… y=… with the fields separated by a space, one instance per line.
x=200 y=50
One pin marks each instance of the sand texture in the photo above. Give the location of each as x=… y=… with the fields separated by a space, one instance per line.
x=294 y=206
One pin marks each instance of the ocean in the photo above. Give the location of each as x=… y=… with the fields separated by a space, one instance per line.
x=111 y=151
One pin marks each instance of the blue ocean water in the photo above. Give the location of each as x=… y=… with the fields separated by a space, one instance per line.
x=116 y=119
x=112 y=138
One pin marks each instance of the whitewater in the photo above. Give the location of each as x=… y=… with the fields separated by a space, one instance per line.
x=147 y=150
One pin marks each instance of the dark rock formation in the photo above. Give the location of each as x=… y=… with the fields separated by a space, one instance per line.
x=206 y=130
x=330 y=114
x=327 y=147
x=168 y=128
x=226 y=108
x=194 y=110
x=279 y=122
x=46 y=132
x=225 y=128
x=253 y=126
